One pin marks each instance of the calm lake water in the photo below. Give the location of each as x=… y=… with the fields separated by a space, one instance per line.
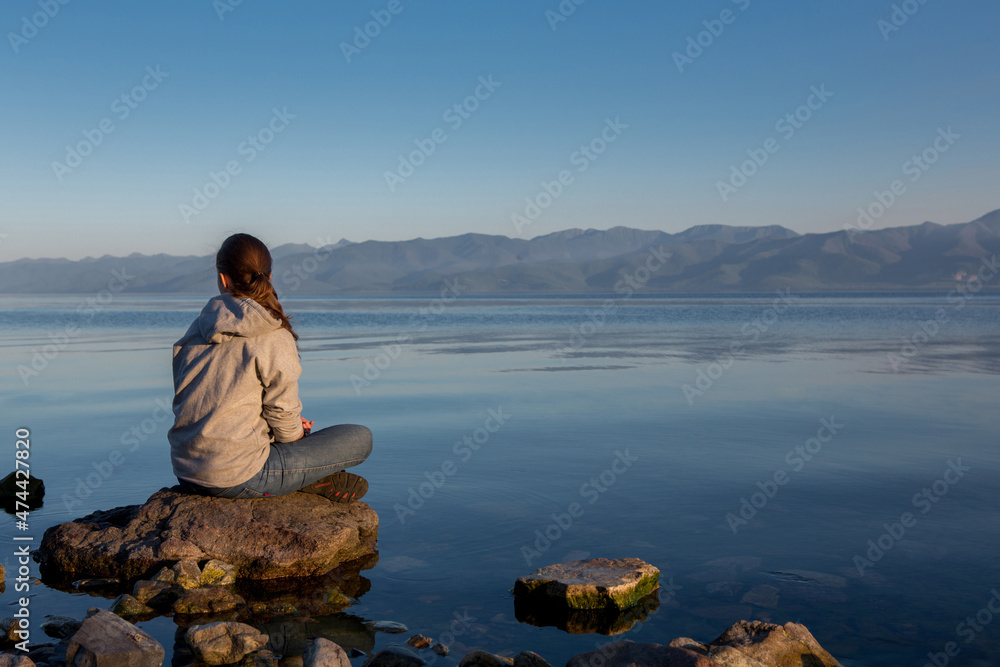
x=862 y=407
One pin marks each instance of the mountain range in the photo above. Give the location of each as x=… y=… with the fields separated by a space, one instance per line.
x=706 y=258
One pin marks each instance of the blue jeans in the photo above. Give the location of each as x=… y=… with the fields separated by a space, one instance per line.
x=293 y=465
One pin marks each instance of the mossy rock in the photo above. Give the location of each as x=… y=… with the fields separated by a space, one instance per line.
x=596 y=583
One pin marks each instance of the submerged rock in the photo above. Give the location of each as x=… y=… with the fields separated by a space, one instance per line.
x=762 y=596
x=106 y=639
x=261 y=658
x=391 y=627
x=297 y=535
x=291 y=637
x=597 y=583
x=95 y=584
x=15 y=660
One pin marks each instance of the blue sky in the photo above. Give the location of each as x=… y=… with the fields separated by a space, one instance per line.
x=204 y=81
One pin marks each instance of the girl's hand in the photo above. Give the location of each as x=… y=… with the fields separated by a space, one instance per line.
x=306 y=426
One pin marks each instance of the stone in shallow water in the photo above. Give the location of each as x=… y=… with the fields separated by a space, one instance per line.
x=387 y=626
x=530 y=659
x=762 y=596
x=821 y=578
x=60 y=627
x=291 y=637
x=106 y=639
x=787 y=645
x=322 y=652
x=156 y=594
x=15 y=483
x=395 y=656
x=484 y=659
x=728 y=588
x=224 y=642
x=297 y=535
x=596 y=583
x=126 y=605
x=261 y=658
x=8 y=630
x=626 y=652
x=208 y=600
x=419 y=641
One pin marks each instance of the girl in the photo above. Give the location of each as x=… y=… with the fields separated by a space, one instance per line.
x=238 y=431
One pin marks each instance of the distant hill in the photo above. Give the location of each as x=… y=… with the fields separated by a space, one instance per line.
x=706 y=258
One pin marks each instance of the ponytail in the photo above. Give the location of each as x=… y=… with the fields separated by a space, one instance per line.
x=247 y=261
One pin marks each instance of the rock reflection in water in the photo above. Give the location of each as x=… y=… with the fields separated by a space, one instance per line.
x=583 y=621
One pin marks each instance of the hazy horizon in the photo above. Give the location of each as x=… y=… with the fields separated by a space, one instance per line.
x=313 y=243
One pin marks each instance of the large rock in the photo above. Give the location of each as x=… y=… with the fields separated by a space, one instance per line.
x=597 y=583
x=297 y=535
x=106 y=639
x=15 y=660
x=790 y=645
x=626 y=653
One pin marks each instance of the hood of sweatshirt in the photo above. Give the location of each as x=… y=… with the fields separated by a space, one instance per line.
x=225 y=317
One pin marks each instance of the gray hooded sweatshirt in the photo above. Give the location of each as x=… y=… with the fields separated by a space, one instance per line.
x=236 y=390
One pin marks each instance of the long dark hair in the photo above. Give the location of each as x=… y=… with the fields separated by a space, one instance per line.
x=247 y=261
